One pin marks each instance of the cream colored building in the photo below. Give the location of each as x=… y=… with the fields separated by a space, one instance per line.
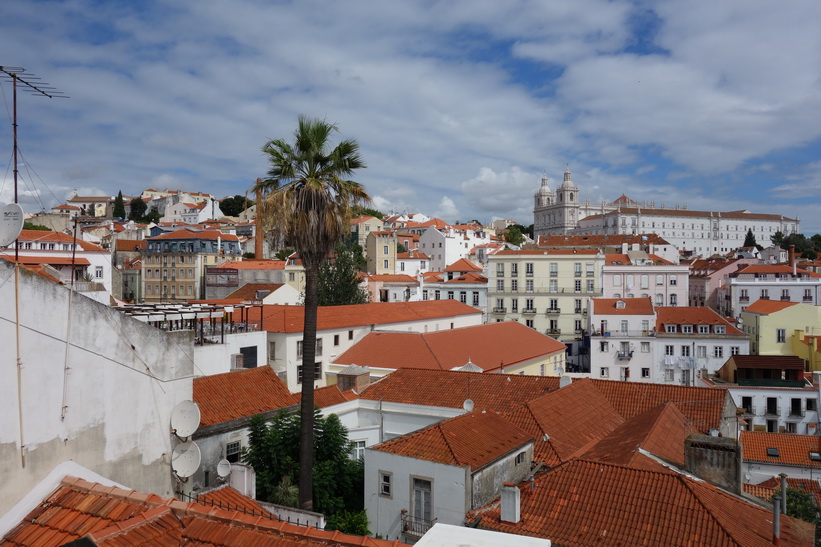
x=545 y=289
x=364 y=225
x=782 y=328
x=380 y=250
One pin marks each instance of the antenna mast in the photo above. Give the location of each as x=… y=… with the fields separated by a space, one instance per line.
x=35 y=86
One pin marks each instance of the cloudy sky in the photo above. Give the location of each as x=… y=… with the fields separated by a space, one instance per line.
x=459 y=106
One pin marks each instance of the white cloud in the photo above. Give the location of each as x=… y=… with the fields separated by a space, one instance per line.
x=447 y=210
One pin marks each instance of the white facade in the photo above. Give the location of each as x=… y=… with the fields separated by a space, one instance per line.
x=97 y=387
x=447 y=246
x=777 y=409
x=743 y=288
x=666 y=285
x=210 y=359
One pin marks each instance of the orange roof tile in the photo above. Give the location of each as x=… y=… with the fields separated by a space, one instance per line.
x=584 y=503
x=547 y=252
x=129 y=245
x=793 y=449
x=249 y=290
x=499 y=392
x=471 y=277
x=115 y=516
x=392 y=278
x=766 y=489
x=782 y=269
x=57 y=237
x=620 y=259
x=329 y=396
x=599 y=240
x=463 y=265
x=188 y=234
x=278 y=318
x=491 y=346
x=689 y=315
x=474 y=439
x=52 y=260
x=240 y=394
x=361 y=219
x=254 y=264
x=412 y=255
x=628 y=306
x=766 y=307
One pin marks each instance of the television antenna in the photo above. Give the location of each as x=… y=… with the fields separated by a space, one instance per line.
x=35 y=86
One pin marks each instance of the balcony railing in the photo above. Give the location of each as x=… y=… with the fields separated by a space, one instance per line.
x=498 y=309
x=743 y=298
x=750 y=410
x=415 y=526
x=808 y=299
x=623 y=333
x=785 y=298
x=553 y=332
x=625 y=355
x=529 y=310
x=796 y=412
x=553 y=311
x=771 y=410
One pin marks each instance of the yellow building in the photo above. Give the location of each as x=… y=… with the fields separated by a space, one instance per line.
x=784 y=328
x=380 y=250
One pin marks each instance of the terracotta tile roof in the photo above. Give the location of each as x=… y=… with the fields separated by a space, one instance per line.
x=781 y=269
x=661 y=431
x=412 y=255
x=38 y=269
x=363 y=218
x=432 y=277
x=188 y=234
x=499 y=392
x=620 y=259
x=792 y=449
x=573 y=418
x=470 y=277
x=734 y=215
x=254 y=265
x=599 y=240
x=656 y=259
x=328 y=396
x=393 y=278
x=688 y=315
x=463 y=265
x=52 y=260
x=228 y=497
x=587 y=504
x=474 y=439
x=768 y=361
x=766 y=307
x=129 y=245
x=702 y=406
x=232 y=395
x=249 y=290
x=115 y=516
x=279 y=318
x=437 y=223
x=489 y=346
x=548 y=252
x=766 y=489
x=631 y=306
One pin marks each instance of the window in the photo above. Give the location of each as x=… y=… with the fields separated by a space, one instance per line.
x=645 y=282
x=673 y=300
x=317 y=372
x=475 y=298
x=450 y=295
x=577 y=269
x=358 y=450
x=514 y=285
x=520 y=458
x=437 y=294
x=659 y=280
x=718 y=351
x=645 y=373
x=463 y=297
x=589 y=268
x=553 y=286
x=603 y=347
x=421 y=502
x=385 y=250
x=701 y=351
x=500 y=285
x=554 y=269
x=685 y=351
x=577 y=305
x=645 y=347
x=669 y=350
x=747 y=404
x=780 y=335
x=425 y=295
x=336 y=339
x=590 y=285
x=319 y=346
x=659 y=300
x=98 y=272
x=350 y=335
x=514 y=269
x=577 y=325
x=673 y=280
x=529 y=285
x=529 y=304
x=385 y=263
x=670 y=328
x=291 y=276
x=528 y=323
x=687 y=329
x=605 y=372
x=669 y=375
x=765 y=294
x=704 y=329
x=385 y=484
x=554 y=303
x=514 y=305
x=232 y=451
x=529 y=269
x=617 y=280
x=500 y=269
x=577 y=286
x=811 y=405
x=623 y=326
x=735 y=350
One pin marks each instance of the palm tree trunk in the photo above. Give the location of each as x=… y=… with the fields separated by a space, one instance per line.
x=306 y=430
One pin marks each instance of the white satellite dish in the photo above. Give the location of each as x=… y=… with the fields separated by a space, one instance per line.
x=468 y=405
x=185 y=418
x=223 y=468
x=186 y=458
x=11 y=223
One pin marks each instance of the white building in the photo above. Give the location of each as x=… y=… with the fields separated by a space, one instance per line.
x=636 y=274
x=447 y=245
x=93 y=386
x=767 y=282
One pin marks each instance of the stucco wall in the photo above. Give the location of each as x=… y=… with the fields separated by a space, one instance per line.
x=122 y=380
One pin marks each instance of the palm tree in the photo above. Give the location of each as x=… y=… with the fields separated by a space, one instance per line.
x=308 y=204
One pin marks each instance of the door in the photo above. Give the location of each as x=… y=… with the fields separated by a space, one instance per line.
x=422 y=499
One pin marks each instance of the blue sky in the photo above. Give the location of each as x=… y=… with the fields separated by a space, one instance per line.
x=459 y=106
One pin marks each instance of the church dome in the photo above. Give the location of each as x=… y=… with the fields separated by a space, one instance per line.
x=545 y=189
x=568 y=181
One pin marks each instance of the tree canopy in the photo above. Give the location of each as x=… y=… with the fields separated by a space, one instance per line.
x=233 y=206
x=338 y=486
x=119 y=206
x=339 y=278
x=137 y=209
x=308 y=203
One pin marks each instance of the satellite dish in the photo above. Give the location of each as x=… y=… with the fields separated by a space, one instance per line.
x=223 y=468
x=185 y=418
x=11 y=223
x=186 y=458
x=468 y=405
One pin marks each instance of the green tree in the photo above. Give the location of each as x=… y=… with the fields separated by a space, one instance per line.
x=283 y=254
x=153 y=215
x=233 y=206
x=31 y=226
x=749 y=240
x=338 y=486
x=308 y=202
x=119 y=206
x=401 y=248
x=801 y=505
x=513 y=235
x=339 y=279
x=138 y=209
x=358 y=211
x=777 y=239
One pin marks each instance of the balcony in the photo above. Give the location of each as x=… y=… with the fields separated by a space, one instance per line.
x=415 y=526
x=577 y=310
x=748 y=410
x=772 y=410
x=553 y=311
x=625 y=355
x=796 y=412
x=807 y=298
x=499 y=310
x=743 y=298
x=785 y=298
x=553 y=332
x=554 y=274
x=623 y=333
x=577 y=274
x=529 y=310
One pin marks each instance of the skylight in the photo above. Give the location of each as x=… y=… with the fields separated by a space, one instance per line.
x=773 y=453
x=815 y=456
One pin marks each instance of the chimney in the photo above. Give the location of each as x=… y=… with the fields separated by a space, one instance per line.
x=791 y=257
x=259 y=236
x=714 y=459
x=777 y=519
x=511 y=510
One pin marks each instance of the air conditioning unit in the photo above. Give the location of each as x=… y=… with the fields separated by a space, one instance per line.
x=236 y=361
